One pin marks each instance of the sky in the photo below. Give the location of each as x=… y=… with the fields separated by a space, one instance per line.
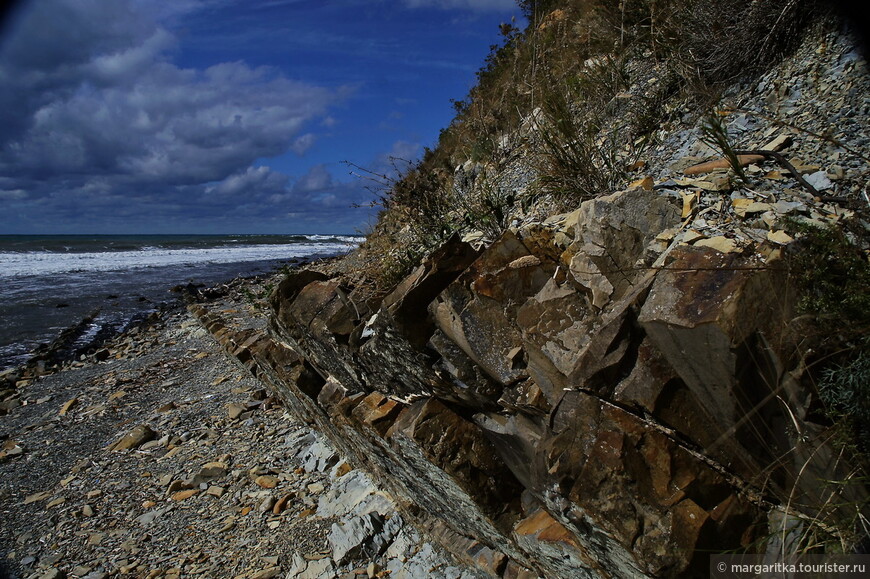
x=223 y=116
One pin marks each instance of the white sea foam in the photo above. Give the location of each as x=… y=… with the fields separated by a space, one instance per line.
x=43 y=263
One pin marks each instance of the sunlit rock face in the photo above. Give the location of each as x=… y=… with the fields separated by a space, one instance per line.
x=578 y=399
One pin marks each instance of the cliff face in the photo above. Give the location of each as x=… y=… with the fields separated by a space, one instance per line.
x=545 y=408
x=616 y=391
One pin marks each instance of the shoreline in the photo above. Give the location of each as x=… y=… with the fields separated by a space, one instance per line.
x=68 y=347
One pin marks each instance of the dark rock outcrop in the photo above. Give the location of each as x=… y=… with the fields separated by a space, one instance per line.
x=606 y=407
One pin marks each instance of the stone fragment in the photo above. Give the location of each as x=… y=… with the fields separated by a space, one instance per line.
x=723 y=163
x=778 y=144
x=690 y=201
x=779 y=237
x=183 y=495
x=267 y=573
x=36 y=497
x=713 y=182
x=645 y=183
x=235 y=410
x=67 y=406
x=719 y=243
x=281 y=504
x=10 y=449
x=266 y=505
x=209 y=471
x=215 y=491
x=178 y=485
x=745 y=207
x=149 y=517
x=819 y=180
x=266 y=481
x=55 y=502
x=135 y=438
x=342 y=469
x=315 y=488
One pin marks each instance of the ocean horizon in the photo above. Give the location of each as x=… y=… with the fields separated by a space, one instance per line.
x=50 y=282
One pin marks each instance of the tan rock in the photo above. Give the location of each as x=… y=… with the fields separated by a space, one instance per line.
x=691 y=236
x=213 y=470
x=267 y=573
x=780 y=237
x=342 y=469
x=183 y=495
x=778 y=144
x=266 y=481
x=723 y=163
x=646 y=183
x=710 y=183
x=215 y=491
x=37 y=497
x=135 y=438
x=235 y=410
x=281 y=504
x=67 y=406
x=690 y=201
x=719 y=243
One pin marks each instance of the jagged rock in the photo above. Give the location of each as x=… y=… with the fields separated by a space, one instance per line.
x=705 y=316
x=407 y=303
x=475 y=311
x=611 y=235
x=365 y=536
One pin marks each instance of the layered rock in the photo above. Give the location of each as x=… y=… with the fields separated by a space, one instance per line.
x=578 y=399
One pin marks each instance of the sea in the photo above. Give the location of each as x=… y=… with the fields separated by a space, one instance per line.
x=51 y=282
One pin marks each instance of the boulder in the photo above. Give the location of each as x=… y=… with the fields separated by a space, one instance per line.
x=476 y=311
x=612 y=233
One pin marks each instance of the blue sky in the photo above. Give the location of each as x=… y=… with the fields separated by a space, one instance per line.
x=223 y=116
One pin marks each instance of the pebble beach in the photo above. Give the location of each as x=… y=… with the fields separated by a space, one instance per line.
x=164 y=458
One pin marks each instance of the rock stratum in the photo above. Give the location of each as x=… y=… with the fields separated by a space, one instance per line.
x=616 y=391
x=553 y=408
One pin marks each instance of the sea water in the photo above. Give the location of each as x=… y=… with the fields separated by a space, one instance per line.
x=48 y=283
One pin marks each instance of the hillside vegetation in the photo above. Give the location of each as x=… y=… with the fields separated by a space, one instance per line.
x=586 y=100
x=557 y=96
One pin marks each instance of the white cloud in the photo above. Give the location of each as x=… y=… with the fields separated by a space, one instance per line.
x=254 y=181
x=88 y=91
x=300 y=145
x=14 y=194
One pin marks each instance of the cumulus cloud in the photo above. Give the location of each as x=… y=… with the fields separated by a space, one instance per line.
x=92 y=107
x=318 y=178
x=301 y=144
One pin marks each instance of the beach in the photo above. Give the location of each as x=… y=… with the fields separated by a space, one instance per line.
x=163 y=457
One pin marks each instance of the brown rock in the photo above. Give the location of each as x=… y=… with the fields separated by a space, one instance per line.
x=67 y=406
x=182 y=495
x=266 y=481
x=135 y=438
x=235 y=410
x=281 y=504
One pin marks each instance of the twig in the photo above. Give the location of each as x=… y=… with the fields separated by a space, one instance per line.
x=779 y=158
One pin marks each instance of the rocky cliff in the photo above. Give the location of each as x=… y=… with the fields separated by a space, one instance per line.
x=615 y=391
